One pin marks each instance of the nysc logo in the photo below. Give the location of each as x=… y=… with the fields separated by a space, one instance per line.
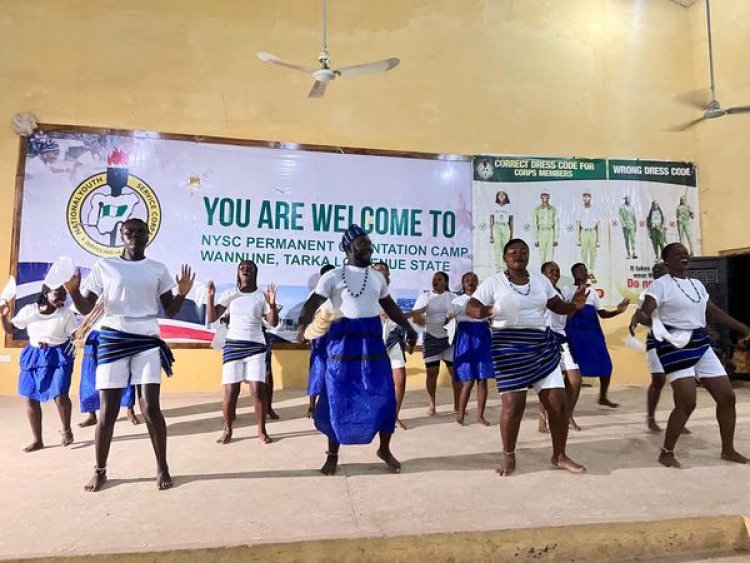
x=102 y=202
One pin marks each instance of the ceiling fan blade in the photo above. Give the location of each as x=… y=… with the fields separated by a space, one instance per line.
x=739 y=109
x=379 y=66
x=687 y=125
x=318 y=89
x=697 y=99
x=269 y=58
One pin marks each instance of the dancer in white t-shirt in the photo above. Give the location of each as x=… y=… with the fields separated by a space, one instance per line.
x=357 y=397
x=47 y=362
x=430 y=310
x=130 y=350
x=525 y=353
x=245 y=347
x=684 y=349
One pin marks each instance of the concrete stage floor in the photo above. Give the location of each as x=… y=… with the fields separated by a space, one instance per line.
x=246 y=493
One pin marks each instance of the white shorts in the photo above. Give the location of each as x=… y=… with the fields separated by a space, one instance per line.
x=445 y=356
x=139 y=369
x=707 y=367
x=654 y=364
x=566 y=359
x=249 y=369
x=554 y=380
x=396 y=355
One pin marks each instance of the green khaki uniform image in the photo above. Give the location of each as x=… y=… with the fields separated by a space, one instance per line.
x=546 y=229
x=501 y=226
x=684 y=224
x=657 y=229
x=629 y=225
x=588 y=234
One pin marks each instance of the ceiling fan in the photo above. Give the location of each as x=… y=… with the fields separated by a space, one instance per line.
x=325 y=73
x=698 y=99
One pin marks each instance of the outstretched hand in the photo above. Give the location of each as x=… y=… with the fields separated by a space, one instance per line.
x=270 y=294
x=623 y=305
x=579 y=297
x=185 y=280
x=210 y=289
x=74 y=283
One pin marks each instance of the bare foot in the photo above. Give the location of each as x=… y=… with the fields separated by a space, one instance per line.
x=481 y=420
x=431 y=411
x=97 y=481
x=685 y=431
x=573 y=425
x=543 y=424
x=508 y=466
x=667 y=459
x=400 y=425
x=734 y=456
x=272 y=415
x=393 y=464
x=90 y=420
x=331 y=464
x=607 y=403
x=460 y=420
x=67 y=438
x=226 y=436
x=564 y=462
x=652 y=426
x=34 y=446
x=130 y=413
x=164 y=480
x=264 y=439
x=309 y=413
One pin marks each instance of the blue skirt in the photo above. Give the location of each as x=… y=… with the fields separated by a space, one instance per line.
x=317 y=365
x=587 y=344
x=521 y=357
x=89 y=396
x=472 y=358
x=45 y=372
x=357 y=398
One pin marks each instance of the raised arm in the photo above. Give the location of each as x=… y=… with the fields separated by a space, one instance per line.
x=621 y=308
x=83 y=304
x=272 y=318
x=309 y=308
x=172 y=303
x=562 y=307
x=5 y=317
x=213 y=311
x=713 y=311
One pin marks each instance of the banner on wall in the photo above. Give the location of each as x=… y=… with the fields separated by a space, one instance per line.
x=211 y=205
x=614 y=216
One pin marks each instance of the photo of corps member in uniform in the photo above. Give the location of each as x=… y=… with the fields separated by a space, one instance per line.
x=685 y=217
x=546 y=229
x=588 y=234
x=629 y=225
x=656 y=223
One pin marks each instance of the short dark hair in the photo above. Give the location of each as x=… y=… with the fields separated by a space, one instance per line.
x=326 y=268
x=576 y=266
x=513 y=241
x=548 y=264
x=445 y=276
x=667 y=249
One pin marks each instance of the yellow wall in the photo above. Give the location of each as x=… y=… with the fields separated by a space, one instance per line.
x=579 y=77
x=723 y=145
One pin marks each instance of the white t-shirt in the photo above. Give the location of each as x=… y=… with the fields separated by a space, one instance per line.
x=131 y=290
x=459 y=310
x=657 y=219
x=553 y=320
x=246 y=312
x=592 y=296
x=588 y=218
x=530 y=308
x=54 y=329
x=437 y=306
x=332 y=286
x=675 y=309
x=502 y=213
